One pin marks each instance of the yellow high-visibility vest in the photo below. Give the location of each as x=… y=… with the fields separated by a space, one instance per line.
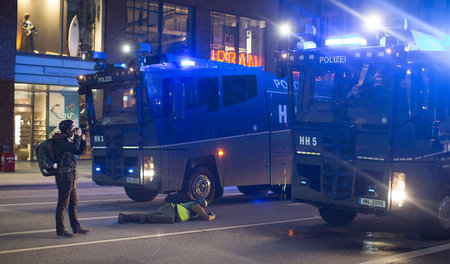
x=184 y=214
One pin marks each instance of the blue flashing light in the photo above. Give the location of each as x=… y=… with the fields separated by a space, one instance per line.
x=346 y=41
x=145 y=47
x=94 y=55
x=97 y=55
x=371 y=190
x=120 y=65
x=187 y=63
x=427 y=42
x=309 y=45
x=130 y=171
x=303 y=182
x=259 y=201
x=98 y=169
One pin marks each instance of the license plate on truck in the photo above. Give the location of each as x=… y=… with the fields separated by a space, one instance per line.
x=133 y=180
x=372 y=202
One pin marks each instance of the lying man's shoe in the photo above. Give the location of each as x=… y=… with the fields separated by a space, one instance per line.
x=80 y=231
x=121 y=218
x=143 y=219
x=64 y=233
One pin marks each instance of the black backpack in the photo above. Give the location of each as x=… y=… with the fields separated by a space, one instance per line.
x=45 y=158
x=179 y=197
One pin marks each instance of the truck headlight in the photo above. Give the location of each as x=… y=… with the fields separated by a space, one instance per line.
x=149 y=168
x=398 y=189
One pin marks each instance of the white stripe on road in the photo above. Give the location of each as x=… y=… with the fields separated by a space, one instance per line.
x=27 y=232
x=45 y=203
x=96 y=194
x=97 y=218
x=19 y=250
x=53 y=230
x=56 y=194
x=88 y=201
x=409 y=255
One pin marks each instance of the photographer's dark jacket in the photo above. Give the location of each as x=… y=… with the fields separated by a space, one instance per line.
x=64 y=150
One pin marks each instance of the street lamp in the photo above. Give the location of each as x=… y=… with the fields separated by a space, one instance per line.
x=373 y=22
x=126 y=48
x=285 y=29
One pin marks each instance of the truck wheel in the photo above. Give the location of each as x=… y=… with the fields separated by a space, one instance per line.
x=438 y=226
x=254 y=190
x=336 y=217
x=201 y=184
x=140 y=193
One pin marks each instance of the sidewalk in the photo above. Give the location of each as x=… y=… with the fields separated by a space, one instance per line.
x=28 y=173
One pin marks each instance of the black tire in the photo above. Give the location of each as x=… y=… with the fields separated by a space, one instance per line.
x=254 y=190
x=336 y=217
x=140 y=193
x=200 y=183
x=437 y=227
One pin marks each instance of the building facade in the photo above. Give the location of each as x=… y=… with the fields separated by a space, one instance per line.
x=42 y=42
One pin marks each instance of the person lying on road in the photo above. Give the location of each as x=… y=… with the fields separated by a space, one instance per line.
x=170 y=213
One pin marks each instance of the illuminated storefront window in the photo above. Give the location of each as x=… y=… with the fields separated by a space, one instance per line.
x=238 y=40
x=38 y=110
x=59 y=27
x=142 y=21
x=169 y=28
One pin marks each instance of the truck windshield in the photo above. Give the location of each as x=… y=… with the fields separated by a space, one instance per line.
x=360 y=95
x=115 y=103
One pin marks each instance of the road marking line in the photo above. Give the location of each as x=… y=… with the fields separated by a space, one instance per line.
x=19 y=250
x=98 y=217
x=45 y=203
x=82 y=195
x=79 y=195
x=53 y=230
x=56 y=195
x=27 y=232
x=81 y=201
x=409 y=255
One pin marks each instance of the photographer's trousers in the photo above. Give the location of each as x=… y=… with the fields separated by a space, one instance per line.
x=67 y=196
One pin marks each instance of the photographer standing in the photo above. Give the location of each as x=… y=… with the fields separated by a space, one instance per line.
x=67 y=143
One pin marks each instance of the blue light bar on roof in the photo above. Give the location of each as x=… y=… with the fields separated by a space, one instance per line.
x=346 y=41
x=120 y=65
x=187 y=63
x=145 y=47
x=309 y=45
x=94 y=55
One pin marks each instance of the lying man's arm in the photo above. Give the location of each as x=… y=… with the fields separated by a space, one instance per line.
x=197 y=209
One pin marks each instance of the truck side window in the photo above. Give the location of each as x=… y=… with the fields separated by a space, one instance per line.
x=167 y=97
x=422 y=113
x=237 y=89
x=443 y=94
x=443 y=104
x=208 y=93
x=189 y=93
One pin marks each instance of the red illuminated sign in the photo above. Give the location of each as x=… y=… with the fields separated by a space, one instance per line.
x=243 y=59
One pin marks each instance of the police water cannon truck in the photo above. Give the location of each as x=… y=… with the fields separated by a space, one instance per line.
x=169 y=123
x=371 y=130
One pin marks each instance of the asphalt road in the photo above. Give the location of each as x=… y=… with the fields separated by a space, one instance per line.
x=247 y=230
